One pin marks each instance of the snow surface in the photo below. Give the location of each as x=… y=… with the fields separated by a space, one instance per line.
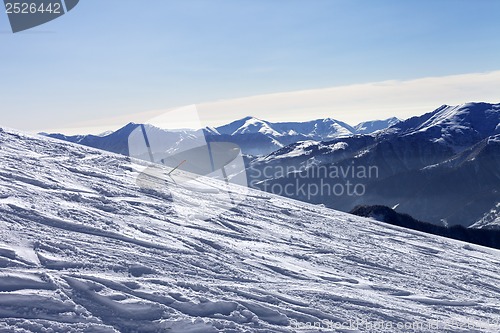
x=83 y=248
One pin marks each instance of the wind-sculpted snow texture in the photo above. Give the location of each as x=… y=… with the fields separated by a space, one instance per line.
x=84 y=249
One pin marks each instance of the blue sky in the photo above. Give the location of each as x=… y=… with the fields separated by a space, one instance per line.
x=106 y=61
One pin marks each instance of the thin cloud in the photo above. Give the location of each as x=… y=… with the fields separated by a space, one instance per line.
x=352 y=103
x=355 y=103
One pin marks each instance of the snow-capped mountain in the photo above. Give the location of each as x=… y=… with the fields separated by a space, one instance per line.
x=118 y=141
x=456 y=126
x=248 y=125
x=259 y=137
x=368 y=127
x=85 y=248
x=441 y=167
x=316 y=129
x=320 y=129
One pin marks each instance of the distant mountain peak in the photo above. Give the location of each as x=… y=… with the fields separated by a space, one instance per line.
x=368 y=127
x=254 y=125
x=457 y=126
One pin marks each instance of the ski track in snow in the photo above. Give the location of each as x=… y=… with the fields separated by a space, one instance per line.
x=84 y=249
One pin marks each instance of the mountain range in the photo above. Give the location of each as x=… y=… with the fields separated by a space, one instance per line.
x=440 y=167
x=254 y=136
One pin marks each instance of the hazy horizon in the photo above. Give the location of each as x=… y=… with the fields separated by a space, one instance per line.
x=106 y=63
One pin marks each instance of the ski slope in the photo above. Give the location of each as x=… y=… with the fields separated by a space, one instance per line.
x=83 y=248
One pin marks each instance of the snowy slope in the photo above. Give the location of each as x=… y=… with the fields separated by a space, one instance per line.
x=260 y=137
x=319 y=129
x=84 y=249
x=456 y=126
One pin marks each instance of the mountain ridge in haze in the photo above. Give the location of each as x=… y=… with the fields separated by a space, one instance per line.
x=253 y=135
